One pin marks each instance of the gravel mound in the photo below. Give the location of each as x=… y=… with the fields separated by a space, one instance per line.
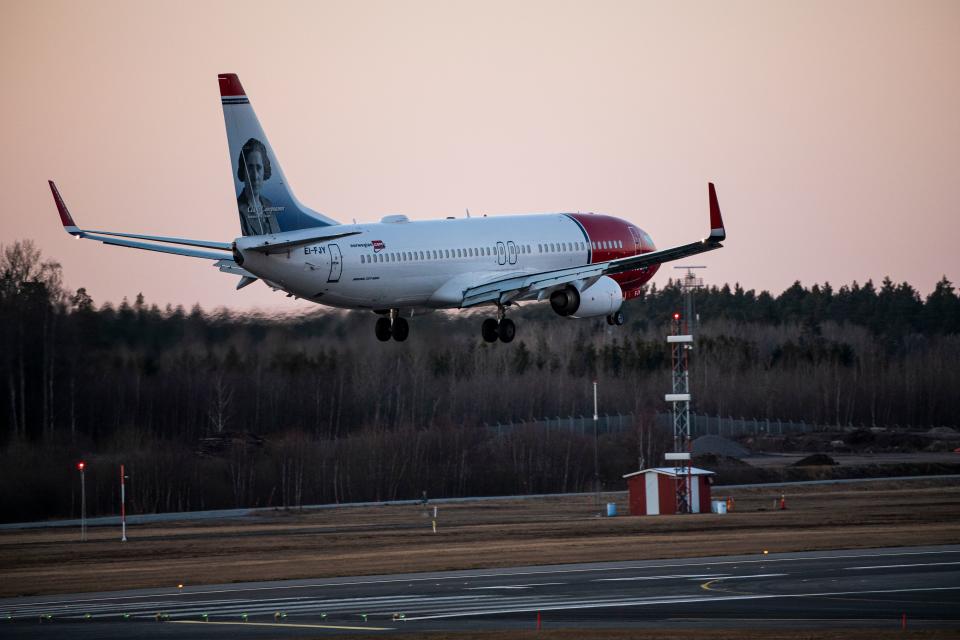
x=719 y=446
x=817 y=459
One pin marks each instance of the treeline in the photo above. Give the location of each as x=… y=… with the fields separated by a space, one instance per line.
x=313 y=408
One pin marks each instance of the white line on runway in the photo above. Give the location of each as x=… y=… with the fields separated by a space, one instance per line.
x=759 y=575
x=629 y=603
x=461 y=576
x=697 y=576
x=900 y=566
x=516 y=586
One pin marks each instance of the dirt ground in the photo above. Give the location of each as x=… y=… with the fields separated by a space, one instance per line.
x=389 y=539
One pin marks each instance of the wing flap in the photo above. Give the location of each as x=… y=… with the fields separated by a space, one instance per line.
x=134 y=244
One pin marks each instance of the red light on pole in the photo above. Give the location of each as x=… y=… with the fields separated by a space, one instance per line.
x=83 y=500
x=676 y=316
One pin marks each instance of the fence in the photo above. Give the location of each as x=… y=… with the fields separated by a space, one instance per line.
x=606 y=423
x=700 y=424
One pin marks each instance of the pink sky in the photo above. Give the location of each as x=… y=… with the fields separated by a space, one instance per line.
x=832 y=129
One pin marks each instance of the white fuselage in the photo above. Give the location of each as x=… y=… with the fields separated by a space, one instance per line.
x=425 y=264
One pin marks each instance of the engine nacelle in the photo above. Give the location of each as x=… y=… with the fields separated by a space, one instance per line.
x=565 y=301
x=601 y=298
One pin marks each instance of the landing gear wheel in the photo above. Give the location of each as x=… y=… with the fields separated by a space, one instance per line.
x=489 y=330
x=618 y=318
x=382 y=329
x=400 y=329
x=506 y=330
x=610 y=320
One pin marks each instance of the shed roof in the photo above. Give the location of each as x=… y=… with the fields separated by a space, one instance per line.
x=671 y=471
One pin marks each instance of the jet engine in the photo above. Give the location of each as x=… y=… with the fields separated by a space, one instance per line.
x=601 y=298
x=565 y=301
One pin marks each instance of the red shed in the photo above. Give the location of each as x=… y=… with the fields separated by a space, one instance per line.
x=654 y=491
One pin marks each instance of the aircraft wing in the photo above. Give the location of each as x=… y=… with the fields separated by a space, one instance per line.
x=514 y=287
x=188 y=247
x=221 y=252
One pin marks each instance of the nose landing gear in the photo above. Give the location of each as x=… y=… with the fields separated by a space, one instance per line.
x=393 y=327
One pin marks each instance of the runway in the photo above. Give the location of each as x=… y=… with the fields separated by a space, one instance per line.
x=856 y=588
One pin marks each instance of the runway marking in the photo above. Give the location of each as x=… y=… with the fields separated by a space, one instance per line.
x=283 y=624
x=693 y=576
x=220 y=608
x=461 y=576
x=516 y=586
x=680 y=600
x=757 y=575
x=900 y=566
x=187 y=596
x=706 y=585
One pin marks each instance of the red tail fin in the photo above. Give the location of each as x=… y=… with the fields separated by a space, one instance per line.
x=717 y=231
x=65 y=216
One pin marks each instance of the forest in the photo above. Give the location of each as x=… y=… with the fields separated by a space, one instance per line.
x=214 y=409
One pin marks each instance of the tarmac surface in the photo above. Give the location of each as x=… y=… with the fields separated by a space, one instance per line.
x=870 y=588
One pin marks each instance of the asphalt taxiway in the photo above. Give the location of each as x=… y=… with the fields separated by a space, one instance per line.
x=844 y=588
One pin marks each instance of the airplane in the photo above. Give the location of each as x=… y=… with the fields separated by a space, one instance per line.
x=586 y=265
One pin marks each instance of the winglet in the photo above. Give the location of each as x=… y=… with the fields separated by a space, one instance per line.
x=717 y=231
x=68 y=224
x=230 y=85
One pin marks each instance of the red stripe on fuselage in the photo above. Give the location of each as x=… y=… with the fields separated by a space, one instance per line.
x=611 y=238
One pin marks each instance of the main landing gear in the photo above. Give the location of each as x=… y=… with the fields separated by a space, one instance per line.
x=501 y=327
x=392 y=327
x=616 y=318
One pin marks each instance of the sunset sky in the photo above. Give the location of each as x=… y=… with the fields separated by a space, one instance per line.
x=831 y=129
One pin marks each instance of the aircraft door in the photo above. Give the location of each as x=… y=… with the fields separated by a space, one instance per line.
x=501 y=254
x=637 y=242
x=336 y=263
x=512 y=252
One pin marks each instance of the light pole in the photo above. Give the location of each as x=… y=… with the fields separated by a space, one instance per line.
x=123 y=505
x=596 y=451
x=81 y=467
